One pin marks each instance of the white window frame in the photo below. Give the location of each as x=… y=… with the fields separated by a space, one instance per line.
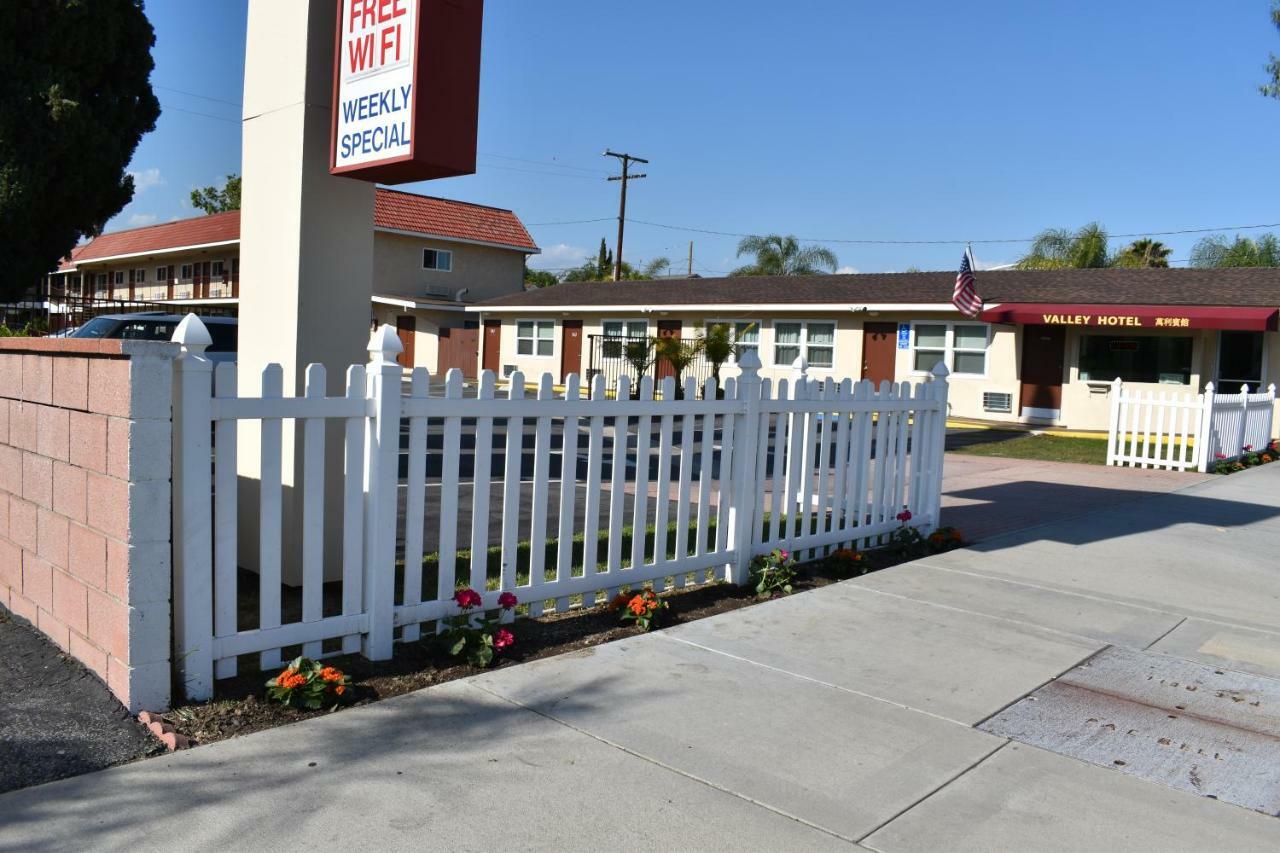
x=733 y=325
x=117 y=277
x=217 y=269
x=140 y=275
x=102 y=280
x=949 y=348
x=447 y=253
x=626 y=322
x=803 y=343
x=162 y=274
x=185 y=272
x=534 y=339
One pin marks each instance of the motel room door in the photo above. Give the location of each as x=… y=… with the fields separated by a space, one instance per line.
x=570 y=348
x=406 y=328
x=493 y=346
x=1044 y=351
x=879 y=351
x=667 y=329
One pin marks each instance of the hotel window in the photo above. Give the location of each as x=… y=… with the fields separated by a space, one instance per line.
x=162 y=275
x=1239 y=360
x=1158 y=359
x=745 y=333
x=816 y=341
x=535 y=337
x=622 y=331
x=217 y=269
x=962 y=347
x=139 y=276
x=118 y=276
x=437 y=259
x=186 y=272
x=102 y=281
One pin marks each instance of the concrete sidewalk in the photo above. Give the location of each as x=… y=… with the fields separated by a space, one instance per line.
x=829 y=719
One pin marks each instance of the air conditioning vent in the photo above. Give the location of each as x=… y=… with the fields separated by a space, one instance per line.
x=439 y=291
x=996 y=401
x=508 y=369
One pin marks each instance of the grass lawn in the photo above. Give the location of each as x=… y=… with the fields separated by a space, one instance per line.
x=1053 y=448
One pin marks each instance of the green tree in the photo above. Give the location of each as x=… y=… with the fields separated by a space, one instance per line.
x=1143 y=253
x=778 y=255
x=1218 y=251
x=1058 y=248
x=1272 y=88
x=601 y=268
x=75 y=99
x=539 y=278
x=218 y=199
x=679 y=354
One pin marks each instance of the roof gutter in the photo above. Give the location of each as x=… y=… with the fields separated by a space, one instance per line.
x=716 y=308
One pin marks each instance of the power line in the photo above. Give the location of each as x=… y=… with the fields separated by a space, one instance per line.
x=569 y=222
x=544 y=163
x=236 y=104
x=166 y=108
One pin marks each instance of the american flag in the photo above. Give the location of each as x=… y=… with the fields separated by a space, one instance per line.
x=966 y=296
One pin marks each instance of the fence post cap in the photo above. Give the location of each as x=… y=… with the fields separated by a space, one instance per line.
x=940 y=371
x=192 y=334
x=749 y=360
x=384 y=345
x=1115 y=383
x=800 y=365
x=1208 y=388
x=1244 y=389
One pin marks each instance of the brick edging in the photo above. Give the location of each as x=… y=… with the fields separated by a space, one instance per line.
x=164 y=732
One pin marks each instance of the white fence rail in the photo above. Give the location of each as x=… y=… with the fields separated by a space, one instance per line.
x=805 y=466
x=1181 y=432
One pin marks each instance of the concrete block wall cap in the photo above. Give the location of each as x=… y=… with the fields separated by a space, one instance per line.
x=384 y=342
x=192 y=334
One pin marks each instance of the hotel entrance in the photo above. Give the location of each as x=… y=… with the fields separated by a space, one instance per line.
x=1240 y=360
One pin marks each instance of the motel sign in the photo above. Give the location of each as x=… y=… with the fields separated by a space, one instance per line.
x=406 y=89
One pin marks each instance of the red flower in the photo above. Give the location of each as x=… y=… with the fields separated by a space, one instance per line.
x=1219 y=456
x=467 y=598
x=503 y=639
x=905 y=515
x=1248 y=447
x=507 y=600
x=784 y=555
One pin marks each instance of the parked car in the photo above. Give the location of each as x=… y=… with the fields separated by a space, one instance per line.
x=158 y=326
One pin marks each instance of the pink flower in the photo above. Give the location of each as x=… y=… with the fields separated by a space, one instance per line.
x=1248 y=447
x=507 y=600
x=1220 y=456
x=467 y=598
x=905 y=515
x=785 y=555
x=503 y=639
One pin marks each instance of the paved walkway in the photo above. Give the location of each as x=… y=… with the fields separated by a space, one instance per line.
x=840 y=717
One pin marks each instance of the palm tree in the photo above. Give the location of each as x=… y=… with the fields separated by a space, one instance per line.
x=1144 y=253
x=1216 y=251
x=1058 y=248
x=718 y=347
x=778 y=255
x=679 y=354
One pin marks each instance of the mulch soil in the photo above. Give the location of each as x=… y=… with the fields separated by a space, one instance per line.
x=240 y=705
x=57 y=719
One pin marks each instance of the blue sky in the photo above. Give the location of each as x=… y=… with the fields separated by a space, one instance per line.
x=833 y=119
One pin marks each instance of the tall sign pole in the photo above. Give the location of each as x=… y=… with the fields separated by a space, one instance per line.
x=627 y=160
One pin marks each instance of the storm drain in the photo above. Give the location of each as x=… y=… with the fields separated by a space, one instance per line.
x=1192 y=727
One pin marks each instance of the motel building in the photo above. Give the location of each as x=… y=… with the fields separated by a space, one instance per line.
x=433 y=257
x=1043 y=352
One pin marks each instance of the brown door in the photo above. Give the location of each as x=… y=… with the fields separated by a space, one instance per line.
x=879 y=351
x=459 y=348
x=1043 y=362
x=406 y=327
x=570 y=348
x=493 y=345
x=667 y=329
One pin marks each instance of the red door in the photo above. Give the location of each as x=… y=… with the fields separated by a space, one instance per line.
x=493 y=345
x=667 y=329
x=570 y=348
x=1043 y=363
x=406 y=328
x=879 y=351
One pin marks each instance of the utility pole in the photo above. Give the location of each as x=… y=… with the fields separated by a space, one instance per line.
x=690 y=259
x=627 y=160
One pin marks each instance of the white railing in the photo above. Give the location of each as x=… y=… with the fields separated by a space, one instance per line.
x=805 y=465
x=1181 y=432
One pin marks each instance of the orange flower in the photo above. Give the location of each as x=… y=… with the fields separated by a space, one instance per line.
x=619 y=601
x=329 y=673
x=339 y=690
x=637 y=605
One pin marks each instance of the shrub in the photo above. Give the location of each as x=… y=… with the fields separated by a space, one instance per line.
x=306 y=683
x=848 y=563
x=945 y=538
x=644 y=608
x=474 y=637
x=773 y=573
x=906 y=541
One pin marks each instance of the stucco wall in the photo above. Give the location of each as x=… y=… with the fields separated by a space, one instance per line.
x=85 y=436
x=483 y=270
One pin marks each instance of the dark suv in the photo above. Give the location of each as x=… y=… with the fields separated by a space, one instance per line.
x=155 y=326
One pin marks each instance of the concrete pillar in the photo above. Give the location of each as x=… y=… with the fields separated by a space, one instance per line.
x=306 y=248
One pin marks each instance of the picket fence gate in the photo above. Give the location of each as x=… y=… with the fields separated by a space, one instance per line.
x=840 y=461
x=1181 y=432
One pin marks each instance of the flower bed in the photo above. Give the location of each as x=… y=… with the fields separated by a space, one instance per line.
x=1248 y=458
x=242 y=705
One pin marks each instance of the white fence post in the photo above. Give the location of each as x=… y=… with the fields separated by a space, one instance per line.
x=936 y=454
x=1243 y=432
x=193 y=509
x=382 y=451
x=1204 y=431
x=1113 y=428
x=746 y=438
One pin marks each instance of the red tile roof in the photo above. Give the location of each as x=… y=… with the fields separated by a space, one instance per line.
x=423 y=214
x=400 y=211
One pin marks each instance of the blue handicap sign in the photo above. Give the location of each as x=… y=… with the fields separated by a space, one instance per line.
x=904 y=336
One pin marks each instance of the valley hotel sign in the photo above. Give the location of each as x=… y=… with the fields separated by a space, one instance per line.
x=406 y=89
x=1237 y=317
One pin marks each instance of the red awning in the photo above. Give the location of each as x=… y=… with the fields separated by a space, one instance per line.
x=1122 y=317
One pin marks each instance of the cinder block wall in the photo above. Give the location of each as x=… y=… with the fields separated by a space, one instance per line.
x=85 y=461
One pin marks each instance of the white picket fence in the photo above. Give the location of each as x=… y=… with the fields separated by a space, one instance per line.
x=839 y=461
x=1181 y=432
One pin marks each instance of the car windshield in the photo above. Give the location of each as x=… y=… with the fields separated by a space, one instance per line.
x=98 y=327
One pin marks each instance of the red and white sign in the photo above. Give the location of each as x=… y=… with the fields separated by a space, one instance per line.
x=386 y=126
